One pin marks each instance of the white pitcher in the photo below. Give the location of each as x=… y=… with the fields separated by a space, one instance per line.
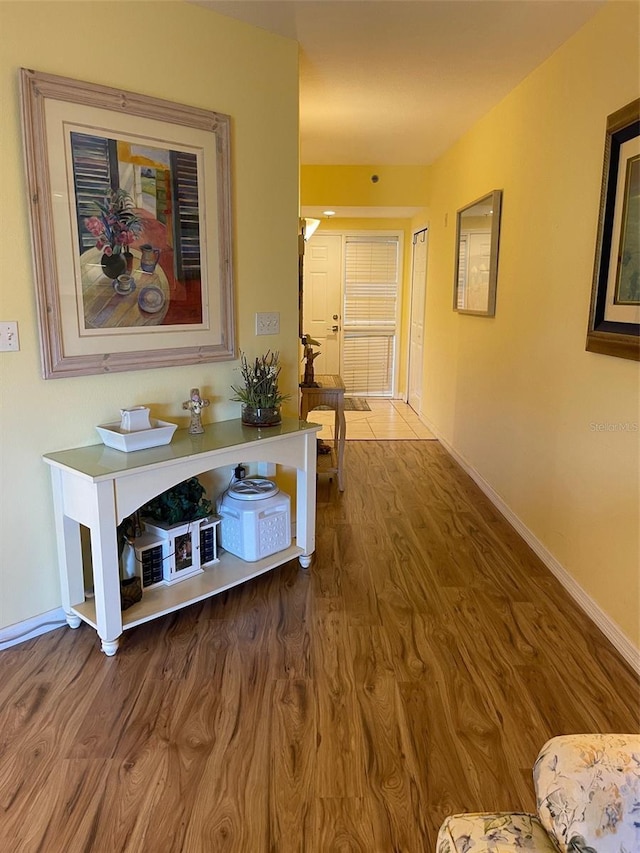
x=135 y=419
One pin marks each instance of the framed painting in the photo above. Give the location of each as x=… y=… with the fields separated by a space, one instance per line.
x=130 y=204
x=614 y=318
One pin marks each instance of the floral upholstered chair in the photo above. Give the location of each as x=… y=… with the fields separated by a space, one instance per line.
x=588 y=801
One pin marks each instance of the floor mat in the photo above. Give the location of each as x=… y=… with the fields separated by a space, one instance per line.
x=356 y=404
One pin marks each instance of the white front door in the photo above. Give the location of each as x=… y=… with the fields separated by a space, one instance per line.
x=416 y=334
x=322 y=298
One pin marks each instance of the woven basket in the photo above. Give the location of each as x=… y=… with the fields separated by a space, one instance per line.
x=130 y=592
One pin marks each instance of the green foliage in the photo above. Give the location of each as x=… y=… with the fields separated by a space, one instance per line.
x=116 y=225
x=260 y=382
x=184 y=502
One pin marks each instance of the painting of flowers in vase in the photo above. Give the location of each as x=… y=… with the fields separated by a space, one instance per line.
x=138 y=225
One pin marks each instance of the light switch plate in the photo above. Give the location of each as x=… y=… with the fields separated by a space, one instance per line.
x=9 y=341
x=268 y=323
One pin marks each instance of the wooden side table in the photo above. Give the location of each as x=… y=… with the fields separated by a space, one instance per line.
x=330 y=392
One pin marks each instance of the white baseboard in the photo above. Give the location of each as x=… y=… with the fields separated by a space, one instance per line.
x=593 y=610
x=30 y=628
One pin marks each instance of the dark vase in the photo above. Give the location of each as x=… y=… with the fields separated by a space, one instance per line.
x=261 y=417
x=113 y=265
x=128 y=259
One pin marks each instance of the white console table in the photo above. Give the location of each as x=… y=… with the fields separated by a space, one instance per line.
x=98 y=486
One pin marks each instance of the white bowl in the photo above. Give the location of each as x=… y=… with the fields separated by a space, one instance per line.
x=161 y=432
x=151 y=299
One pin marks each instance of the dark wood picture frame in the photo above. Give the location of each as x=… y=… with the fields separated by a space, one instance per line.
x=607 y=335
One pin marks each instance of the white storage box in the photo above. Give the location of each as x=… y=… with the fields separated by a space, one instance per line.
x=256 y=519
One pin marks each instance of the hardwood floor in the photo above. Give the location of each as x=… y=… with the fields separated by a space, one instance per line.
x=415 y=670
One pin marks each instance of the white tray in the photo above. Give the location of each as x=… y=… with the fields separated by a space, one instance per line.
x=112 y=435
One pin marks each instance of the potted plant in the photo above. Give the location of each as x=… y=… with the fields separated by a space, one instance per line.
x=180 y=519
x=115 y=227
x=259 y=395
x=184 y=502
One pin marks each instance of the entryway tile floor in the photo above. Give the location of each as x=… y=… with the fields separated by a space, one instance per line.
x=388 y=420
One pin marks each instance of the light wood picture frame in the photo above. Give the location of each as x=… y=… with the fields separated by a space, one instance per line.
x=119 y=178
x=614 y=314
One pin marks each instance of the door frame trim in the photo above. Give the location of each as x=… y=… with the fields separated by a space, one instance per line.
x=414 y=232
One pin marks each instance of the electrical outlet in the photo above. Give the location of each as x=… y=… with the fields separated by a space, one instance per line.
x=268 y=323
x=9 y=341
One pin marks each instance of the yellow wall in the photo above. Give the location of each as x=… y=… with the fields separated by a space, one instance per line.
x=182 y=53
x=398 y=186
x=517 y=396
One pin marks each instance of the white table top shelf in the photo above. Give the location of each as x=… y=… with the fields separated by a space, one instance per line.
x=98 y=462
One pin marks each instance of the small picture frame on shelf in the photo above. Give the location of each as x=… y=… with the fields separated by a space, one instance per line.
x=187 y=548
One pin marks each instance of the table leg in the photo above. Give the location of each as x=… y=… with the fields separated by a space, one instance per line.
x=306 y=502
x=110 y=648
x=340 y=444
x=69 y=548
x=106 y=573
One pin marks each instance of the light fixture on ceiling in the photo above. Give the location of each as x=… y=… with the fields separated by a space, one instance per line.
x=328 y=213
x=310 y=226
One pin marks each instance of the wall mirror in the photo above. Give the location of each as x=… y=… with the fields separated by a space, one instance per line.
x=477 y=237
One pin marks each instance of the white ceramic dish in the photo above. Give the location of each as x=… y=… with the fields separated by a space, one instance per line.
x=151 y=299
x=161 y=432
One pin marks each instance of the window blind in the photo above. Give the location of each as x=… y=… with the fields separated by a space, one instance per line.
x=367 y=364
x=186 y=222
x=369 y=314
x=462 y=270
x=95 y=174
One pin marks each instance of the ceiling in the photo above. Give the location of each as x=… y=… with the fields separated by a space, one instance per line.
x=397 y=82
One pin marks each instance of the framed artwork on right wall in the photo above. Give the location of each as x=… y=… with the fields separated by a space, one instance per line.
x=614 y=317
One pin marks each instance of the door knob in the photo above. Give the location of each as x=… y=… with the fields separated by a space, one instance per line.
x=335 y=316
x=333 y=329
